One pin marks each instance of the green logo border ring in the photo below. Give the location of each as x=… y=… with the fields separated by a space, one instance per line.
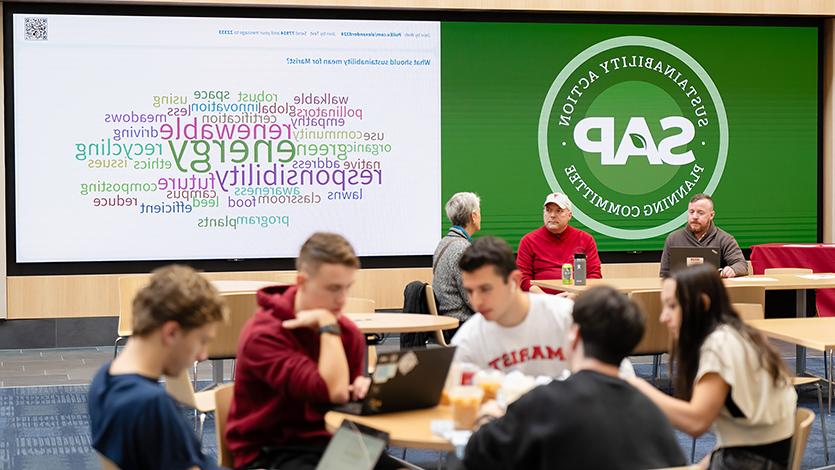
x=548 y=104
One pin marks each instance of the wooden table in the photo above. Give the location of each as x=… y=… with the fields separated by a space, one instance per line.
x=631 y=284
x=815 y=333
x=373 y=323
x=401 y=322
x=410 y=429
x=819 y=257
x=780 y=282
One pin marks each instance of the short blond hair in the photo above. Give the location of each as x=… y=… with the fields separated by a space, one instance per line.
x=326 y=248
x=176 y=293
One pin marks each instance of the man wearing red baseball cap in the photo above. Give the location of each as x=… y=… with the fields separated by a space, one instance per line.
x=542 y=252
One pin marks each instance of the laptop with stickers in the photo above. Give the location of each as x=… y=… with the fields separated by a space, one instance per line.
x=408 y=379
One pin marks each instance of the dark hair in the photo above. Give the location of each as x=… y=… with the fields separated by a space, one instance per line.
x=176 y=293
x=326 y=248
x=610 y=324
x=488 y=251
x=699 y=320
x=701 y=196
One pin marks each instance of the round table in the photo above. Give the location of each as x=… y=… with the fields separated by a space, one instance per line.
x=401 y=322
x=411 y=429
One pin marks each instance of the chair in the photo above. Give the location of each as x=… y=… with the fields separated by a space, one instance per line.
x=746 y=294
x=241 y=306
x=180 y=389
x=223 y=400
x=787 y=271
x=756 y=312
x=656 y=339
x=433 y=310
x=748 y=311
x=106 y=464
x=128 y=287
x=802 y=424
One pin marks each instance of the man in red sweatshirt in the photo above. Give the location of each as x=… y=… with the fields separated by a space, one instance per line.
x=542 y=252
x=296 y=357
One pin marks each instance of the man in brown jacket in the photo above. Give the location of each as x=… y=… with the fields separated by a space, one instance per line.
x=700 y=231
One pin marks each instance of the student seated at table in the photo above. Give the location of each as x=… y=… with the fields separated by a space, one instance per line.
x=727 y=376
x=133 y=421
x=296 y=357
x=513 y=329
x=593 y=419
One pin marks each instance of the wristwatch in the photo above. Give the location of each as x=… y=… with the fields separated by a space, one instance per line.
x=331 y=329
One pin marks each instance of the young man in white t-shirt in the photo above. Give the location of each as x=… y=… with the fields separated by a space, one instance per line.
x=513 y=330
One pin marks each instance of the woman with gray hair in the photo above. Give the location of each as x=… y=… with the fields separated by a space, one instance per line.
x=464 y=213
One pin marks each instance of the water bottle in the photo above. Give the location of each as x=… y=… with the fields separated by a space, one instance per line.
x=580 y=269
x=566 y=273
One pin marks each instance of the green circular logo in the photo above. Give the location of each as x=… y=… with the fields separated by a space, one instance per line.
x=630 y=129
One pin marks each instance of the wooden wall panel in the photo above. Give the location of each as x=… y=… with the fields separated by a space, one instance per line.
x=98 y=296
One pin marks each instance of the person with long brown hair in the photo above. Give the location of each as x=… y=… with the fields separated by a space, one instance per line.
x=726 y=375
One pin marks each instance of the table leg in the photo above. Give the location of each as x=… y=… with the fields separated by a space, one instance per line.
x=217 y=371
x=829 y=392
x=800 y=309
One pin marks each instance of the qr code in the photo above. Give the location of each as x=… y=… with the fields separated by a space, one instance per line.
x=35 y=29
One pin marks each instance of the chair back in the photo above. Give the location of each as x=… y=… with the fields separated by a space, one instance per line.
x=241 y=305
x=106 y=464
x=656 y=339
x=128 y=287
x=746 y=294
x=181 y=389
x=787 y=271
x=802 y=425
x=223 y=400
x=359 y=305
x=433 y=310
x=749 y=311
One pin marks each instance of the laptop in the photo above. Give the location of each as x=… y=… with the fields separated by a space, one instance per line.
x=408 y=379
x=682 y=257
x=354 y=447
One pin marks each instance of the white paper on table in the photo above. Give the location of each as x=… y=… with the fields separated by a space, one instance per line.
x=752 y=279
x=803 y=245
x=817 y=276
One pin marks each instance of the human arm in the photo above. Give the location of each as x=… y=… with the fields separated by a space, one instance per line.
x=332 y=364
x=524 y=262
x=161 y=438
x=498 y=443
x=695 y=416
x=593 y=270
x=733 y=258
x=453 y=268
x=664 y=270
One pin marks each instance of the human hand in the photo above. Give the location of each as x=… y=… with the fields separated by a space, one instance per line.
x=728 y=271
x=359 y=388
x=568 y=295
x=312 y=319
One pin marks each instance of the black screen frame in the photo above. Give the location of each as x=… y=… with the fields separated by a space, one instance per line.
x=15 y=268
